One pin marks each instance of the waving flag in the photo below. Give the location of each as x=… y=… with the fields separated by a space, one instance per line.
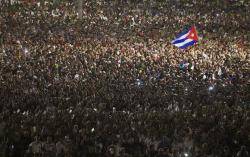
x=186 y=38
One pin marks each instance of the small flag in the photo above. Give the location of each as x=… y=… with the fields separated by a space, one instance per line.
x=186 y=38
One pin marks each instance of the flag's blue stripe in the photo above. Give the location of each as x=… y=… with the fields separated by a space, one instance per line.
x=179 y=41
x=188 y=44
x=182 y=33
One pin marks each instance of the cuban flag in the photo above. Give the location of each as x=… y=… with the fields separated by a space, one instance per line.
x=186 y=38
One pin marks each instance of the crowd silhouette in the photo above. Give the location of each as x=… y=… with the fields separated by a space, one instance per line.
x=110 y=83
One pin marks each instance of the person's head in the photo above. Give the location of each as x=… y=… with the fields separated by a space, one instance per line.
x=75 y=127
x=160 y=150
x=111 y=150
x=243 y=148
x=226 y=149
x=151 y=147
x=66 y=138
x=166 y=150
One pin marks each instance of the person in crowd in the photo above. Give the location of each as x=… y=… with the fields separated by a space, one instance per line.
x=49 y=147
x=110 y=83
x=35 y=148
x=243 y=152
x=59 y=148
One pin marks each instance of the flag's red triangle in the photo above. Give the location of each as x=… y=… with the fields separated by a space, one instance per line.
x=193 y=34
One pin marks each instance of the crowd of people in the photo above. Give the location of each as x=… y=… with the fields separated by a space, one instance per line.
x=110 y=83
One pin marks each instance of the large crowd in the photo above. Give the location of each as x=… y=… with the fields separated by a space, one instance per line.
x=109 y=83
